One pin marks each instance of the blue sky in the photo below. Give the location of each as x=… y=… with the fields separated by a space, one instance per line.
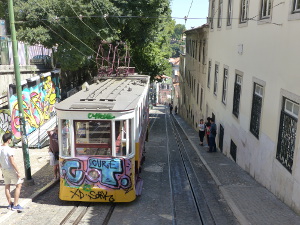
x=199 y=9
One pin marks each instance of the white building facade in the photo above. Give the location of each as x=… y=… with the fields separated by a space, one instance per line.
x=252 y=88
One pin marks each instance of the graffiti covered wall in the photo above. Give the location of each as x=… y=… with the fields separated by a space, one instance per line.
x=39 y=98
x=97 y=179
x=5 y=120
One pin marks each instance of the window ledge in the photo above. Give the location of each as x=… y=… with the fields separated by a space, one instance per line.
x=294 y=16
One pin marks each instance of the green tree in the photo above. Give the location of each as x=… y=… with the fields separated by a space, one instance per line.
x=178 y=32
x=77 y=27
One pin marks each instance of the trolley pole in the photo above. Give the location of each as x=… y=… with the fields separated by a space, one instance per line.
x=27 y=166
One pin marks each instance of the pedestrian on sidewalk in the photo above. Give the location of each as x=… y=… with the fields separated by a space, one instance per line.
x=10 y=172
x=171 y=108
x=176 y=110
x=207 y=130
x=201 y=126
x=54 y=151
x=212 y=136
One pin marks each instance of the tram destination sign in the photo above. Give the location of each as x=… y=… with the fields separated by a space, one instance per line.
x=101 y=116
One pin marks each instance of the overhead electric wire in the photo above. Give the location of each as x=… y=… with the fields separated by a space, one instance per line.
x=66 y=28
x=68 y=42
x=98 y=34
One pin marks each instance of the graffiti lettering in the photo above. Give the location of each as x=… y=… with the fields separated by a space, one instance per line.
x=5 y=120
x=77 y=193
x=72 y=171
x=100 y=116
x=101 y=195
x=108 y=168
x=38 y=104
x=97 y=172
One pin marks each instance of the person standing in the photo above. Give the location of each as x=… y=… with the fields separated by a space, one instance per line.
x=171 y=108
x=10 y=172
x=207 y=130
x=212 y=136
x=176 y=110
x=54 y=151
x=201 y=126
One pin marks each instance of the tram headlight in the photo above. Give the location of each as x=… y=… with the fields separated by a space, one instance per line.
x=93 y=174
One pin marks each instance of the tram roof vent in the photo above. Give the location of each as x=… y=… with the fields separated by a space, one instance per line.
x=87 y=99
x=92 y=105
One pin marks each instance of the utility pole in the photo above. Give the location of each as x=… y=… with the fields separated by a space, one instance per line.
x=27 y=166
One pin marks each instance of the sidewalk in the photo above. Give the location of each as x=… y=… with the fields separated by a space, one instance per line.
x=41 y=172
x=250 y=202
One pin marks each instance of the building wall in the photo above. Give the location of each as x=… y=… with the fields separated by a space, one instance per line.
x=192 y=108
x=265 y=52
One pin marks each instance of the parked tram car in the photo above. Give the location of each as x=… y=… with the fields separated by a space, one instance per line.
x=102 y=131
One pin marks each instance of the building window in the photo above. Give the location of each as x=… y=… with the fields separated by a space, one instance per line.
x=266 y=9
x=216 y=79
x=220 y=13
x=201 y=98
x=200 y=45
x=208 y=74
x=221 y=137
x=212 y=14
x=287 y=133
x=203 y=52
x=225 y=81
x=244 y=11
x=233 y=150
x=296 y=8
x=198 y=93
x=237 y=95
x=256 y=110
x=229 y=13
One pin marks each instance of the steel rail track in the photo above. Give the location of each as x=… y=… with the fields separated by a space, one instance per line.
x=179 y=136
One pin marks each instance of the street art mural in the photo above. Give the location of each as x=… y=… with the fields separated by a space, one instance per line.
x=95 y=178
x=38 y=105
x=5 y=120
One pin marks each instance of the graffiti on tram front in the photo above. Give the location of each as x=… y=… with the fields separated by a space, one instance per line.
x=97 y=172
x=93 y=195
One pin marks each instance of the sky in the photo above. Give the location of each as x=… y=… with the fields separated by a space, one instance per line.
x=181 y=8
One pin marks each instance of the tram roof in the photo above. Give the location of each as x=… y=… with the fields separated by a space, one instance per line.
x=108 y=94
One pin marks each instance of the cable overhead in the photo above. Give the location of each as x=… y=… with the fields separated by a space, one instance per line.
x=80 y=18
x=56 y=18
x=68 y=42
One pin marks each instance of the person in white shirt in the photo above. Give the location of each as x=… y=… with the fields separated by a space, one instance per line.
x=10 y=172
x=201 y=126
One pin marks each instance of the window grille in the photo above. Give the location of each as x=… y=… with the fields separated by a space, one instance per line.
x=229 y=13
x=266 y=9
x=212 y=14
x=296 y=7
x=225 y=81
x=220 y=13
x=287 y=134
x=256 y=110
x=233 y=150
x=244 y=11
x=221 y=137
x=216 y=79
x=237 y=95
x=208 y=74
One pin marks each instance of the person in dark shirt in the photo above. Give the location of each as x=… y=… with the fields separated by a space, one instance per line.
x=212 y=136
x=54 y=151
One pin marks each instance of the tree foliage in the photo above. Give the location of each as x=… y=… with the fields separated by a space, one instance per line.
x=76 y=28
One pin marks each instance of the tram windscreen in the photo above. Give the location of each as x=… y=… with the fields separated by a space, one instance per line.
x=93 y=137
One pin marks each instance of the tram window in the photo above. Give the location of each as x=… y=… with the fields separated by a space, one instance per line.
x=121 y=137
x=66 y=147
x=93 y=137
x=92 y=132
